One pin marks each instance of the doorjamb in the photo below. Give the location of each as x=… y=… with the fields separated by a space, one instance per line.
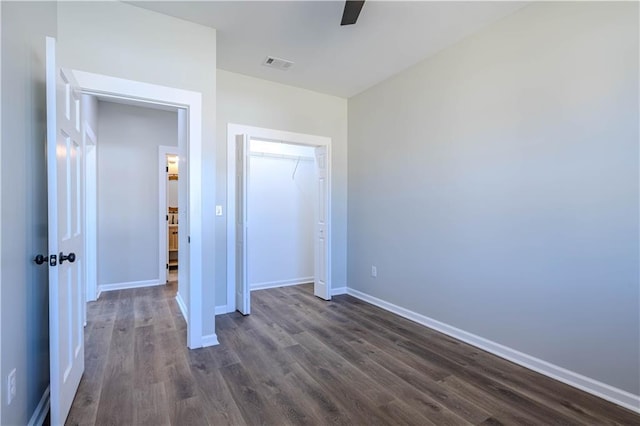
x=91 y=215
x=276 y=136
x=118 y=88
x=163 y=151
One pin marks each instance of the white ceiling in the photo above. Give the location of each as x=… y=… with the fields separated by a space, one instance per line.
x=389 y=36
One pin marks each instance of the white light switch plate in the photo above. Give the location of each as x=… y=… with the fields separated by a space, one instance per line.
x=218 y=210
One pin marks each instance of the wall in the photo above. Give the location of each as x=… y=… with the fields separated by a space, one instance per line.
x=25 y=308
x=495 y=186
x=255 y=102
x=128 y=190
x=281 y=209
x=122 y=40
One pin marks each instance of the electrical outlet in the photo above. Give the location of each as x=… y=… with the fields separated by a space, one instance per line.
x=218 y=210
x=11 y=386
x=374 y=271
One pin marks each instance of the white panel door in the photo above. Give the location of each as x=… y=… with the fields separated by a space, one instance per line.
x=66 y=242
x=243 y=296
x=321 y=287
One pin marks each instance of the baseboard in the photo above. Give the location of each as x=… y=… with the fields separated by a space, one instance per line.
x=210 y=340
x=41 y=411
x=281 y=283
x=224 y=309
x=338 y=291
x=594 y=387
x=183 y=307
x=128 y=285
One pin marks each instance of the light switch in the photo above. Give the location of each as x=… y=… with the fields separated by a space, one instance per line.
x=218 y=210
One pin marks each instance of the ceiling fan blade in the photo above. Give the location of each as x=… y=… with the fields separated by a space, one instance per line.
x=351 y=11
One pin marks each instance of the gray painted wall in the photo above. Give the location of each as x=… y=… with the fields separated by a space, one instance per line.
x=128 y=190
x=495 y=187
x=25 y=309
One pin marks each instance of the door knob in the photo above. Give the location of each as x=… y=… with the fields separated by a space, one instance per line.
x=71 y=257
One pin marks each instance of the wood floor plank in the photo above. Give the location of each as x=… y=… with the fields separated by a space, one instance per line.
x=151 y=405
x=300 y=360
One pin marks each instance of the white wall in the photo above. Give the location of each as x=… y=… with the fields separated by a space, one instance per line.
x=281 y=209
x=25 y=297
x=128 y=190
x=125 y=41
x=495 y=186
x=256 y=102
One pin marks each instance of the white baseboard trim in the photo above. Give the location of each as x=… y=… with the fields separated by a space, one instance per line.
x=210 y=340
x=41 y=411
x=587 y=384
x=281 y=283
x=338 y=291
x=224 y=309
x=183 y=307
x=128 y=285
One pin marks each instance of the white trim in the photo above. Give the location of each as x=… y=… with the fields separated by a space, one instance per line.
x=268 y=135
x=571 y=378
x=128 y=285
x=113 y=87
x=42 y=409
x=338 y=291
x=90 y=213
x=163 y=235
x=183 y=307
x=210 y=340
x=224 y=309
x=281 y=283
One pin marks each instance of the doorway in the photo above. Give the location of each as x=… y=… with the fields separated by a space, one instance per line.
x=189 y=108
x=238 y=148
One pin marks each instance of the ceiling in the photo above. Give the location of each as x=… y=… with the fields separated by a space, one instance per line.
x=389 y=36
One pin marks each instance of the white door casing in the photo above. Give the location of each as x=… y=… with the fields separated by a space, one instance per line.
x=65 y=200
x=189 y=105
x=236 y=204
x=243 y=296
x=321 y=265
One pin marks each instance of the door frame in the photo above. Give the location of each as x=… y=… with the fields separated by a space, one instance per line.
x=91 y=215
x=163 y=151
x=275 y=136
x=189 y=148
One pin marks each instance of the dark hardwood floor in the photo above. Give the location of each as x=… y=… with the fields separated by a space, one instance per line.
x=299 y=360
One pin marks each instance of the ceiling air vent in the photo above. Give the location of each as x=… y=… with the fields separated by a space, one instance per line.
x=278 y=63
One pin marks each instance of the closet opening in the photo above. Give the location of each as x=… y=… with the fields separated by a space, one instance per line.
x=279 y=212
x=281 y=201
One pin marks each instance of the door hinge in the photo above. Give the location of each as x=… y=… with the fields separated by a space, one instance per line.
x=189 y=239
x=167 y=266
x=167 y=169
x=167 y=218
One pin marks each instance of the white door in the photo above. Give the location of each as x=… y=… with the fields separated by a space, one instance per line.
x=66 y=250
x=243 y=296
x=321 y=265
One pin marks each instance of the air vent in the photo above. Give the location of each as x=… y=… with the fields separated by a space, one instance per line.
x=278 y=63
